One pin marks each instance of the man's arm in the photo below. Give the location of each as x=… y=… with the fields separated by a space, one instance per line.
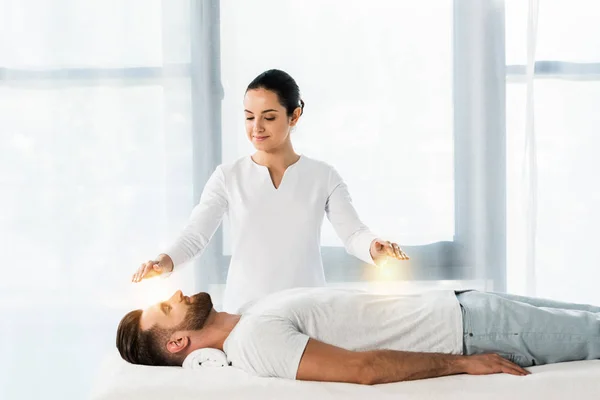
x=323 y=362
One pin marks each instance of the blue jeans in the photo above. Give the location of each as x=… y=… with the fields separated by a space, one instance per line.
x=529 y=331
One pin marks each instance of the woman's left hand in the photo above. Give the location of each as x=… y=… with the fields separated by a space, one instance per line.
x=382 y=248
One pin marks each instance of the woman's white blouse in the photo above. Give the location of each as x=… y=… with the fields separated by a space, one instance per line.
x=276 y=233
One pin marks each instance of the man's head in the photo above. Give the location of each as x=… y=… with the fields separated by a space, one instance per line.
x=160 y=335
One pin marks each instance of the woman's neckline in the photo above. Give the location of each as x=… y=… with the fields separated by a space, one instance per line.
x=300 y=157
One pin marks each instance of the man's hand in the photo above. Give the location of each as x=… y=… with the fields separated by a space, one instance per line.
x=384 y=248
x=485 y=364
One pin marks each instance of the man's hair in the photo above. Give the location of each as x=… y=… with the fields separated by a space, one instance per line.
x=149 y=347
x=144 y=347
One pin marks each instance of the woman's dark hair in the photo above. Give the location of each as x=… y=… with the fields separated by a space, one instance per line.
x=143 y=347
x=283 y=85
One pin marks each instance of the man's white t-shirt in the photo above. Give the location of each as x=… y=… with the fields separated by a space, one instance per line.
x=272 y=333
x=276 y=232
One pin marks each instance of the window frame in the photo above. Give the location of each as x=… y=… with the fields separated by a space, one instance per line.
x=555 y=69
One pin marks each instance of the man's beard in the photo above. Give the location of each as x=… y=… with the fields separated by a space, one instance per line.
x=197 y=313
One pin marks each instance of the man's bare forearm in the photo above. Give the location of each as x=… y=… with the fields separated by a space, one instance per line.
x=384 y=366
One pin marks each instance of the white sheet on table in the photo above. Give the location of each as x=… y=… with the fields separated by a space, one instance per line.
x=119 y=380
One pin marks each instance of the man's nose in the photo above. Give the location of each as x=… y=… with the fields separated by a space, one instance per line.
x=178 y=295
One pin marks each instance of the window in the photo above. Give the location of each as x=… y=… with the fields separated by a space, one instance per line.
x=367 y=75
x=95 y=170
x=87 y=94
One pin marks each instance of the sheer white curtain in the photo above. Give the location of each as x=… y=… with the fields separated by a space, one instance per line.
x=95 y=178
x=377 y=81
x=553 y=184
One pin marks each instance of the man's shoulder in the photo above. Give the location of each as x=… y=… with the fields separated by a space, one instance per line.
x=266 y=345
x=254 y=327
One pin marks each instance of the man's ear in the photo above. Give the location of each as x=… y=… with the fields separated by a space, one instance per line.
x=177 y=342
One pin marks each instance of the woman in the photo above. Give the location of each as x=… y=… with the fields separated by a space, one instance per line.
x=275 y=200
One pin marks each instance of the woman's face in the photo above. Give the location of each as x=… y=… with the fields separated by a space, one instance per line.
x=267 y=124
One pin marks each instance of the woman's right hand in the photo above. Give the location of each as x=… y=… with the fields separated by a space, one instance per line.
x=153 y=268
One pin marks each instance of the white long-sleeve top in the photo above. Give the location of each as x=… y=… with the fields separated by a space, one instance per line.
x=276 y=233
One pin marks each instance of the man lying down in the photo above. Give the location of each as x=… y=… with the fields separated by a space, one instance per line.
x=337 y=335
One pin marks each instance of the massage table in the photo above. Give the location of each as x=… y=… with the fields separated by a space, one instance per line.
x=117 y=379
